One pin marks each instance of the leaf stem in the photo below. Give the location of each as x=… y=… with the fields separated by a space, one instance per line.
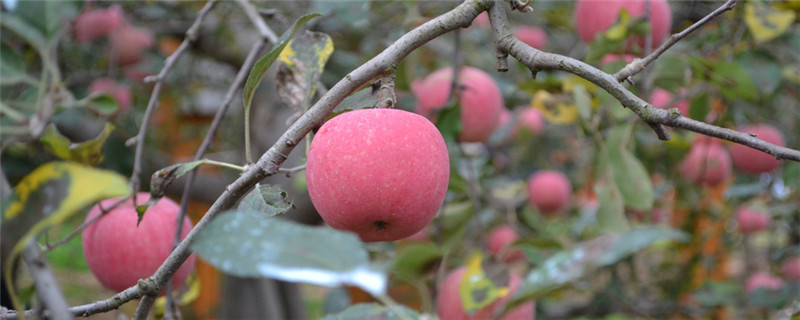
x=11 y=113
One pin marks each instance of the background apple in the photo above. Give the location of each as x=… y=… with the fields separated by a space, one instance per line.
x=549 y=191
x=120 y=92
x=499 y=244
x=706 y=163
x=661 y=98
x=94 y=23
x=750 y=220
x=790 y=268
x=531 y=36
x=480 y=100
x=450 y=307
x=763 y=280
x=127 y=44
x=381 y=173
x=532 y=119
x=754 y=161
x=119 y=253
x=596 y=16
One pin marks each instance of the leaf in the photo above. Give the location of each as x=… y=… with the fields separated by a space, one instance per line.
x=361 y=99
x=247 y=244
x=476 y=289
x=636 y=240
x=373 y=311
x=105 y=104
x=610 y=207
x=630 y=175
x=558 y=109
x=47 y=16
x=415 y=260
x=583 y=101
x=766 y=22
x=618 y=31
x=300 y=65
x=12 y=70
x=164 y=177
x=267 y=199
x=21 y=28
x=262 y=65
x=449 y=123
x=792 y=73
x=763 y=69
x=88 y=152
x=734 y=81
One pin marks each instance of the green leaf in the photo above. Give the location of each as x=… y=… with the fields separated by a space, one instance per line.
x=583 y=101
x=414 y=261
x=12 y=70
x=47 y=16
x=763 y=69
x=449 y=123
x=300 y=65
x=699 y=107
x=361 y=99
x=364 y=311
x=267 y=199
x=25 y=31
x=104 y=103
x=262 y=65
x=248 y=244
x=734 y=81
x=636 y=240
x=164 y=177
x=630 y=175
x=610 y=207
x=88 y=152
x=717 y=294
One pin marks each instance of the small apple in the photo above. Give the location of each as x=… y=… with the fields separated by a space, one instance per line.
x=120 y=92
x=549 y=191
x=750 y=220
x=95 y=23
x=380 y=173
x=450 y=307
x=611 y=58
x=119 y=253
x=790 y=268
x=660 y=98
x=531 y=36
x=763 y=280
x=532 y=120
x=499 y=244
x=480 y=100
x=707 y=163
x=754 y=161
x=482 y=20
x=596 y=16
x=127 y=44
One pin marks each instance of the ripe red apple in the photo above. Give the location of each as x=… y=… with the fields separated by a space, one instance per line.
x=127 y=44
x=610 y=58
x=119 y=253
x=120 y=92
x=381 y=173
x=532 y=119
x=706 y=163
x=596 y=16
x=790 y=268
x=95 y=23
x=482 y=20
x=660 y=98
x=480 y=100
x=753 y=161
x=499 y=244
x=750 y=220
x=549 y=191
x=531 y=36
x=450 y=307
x=763 y=280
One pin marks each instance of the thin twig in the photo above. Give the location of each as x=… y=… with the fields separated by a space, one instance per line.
x=50 y=246
x=47 y=288
x=290 y=171
x=640 y=64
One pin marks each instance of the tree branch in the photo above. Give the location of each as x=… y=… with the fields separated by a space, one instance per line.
x=47 y=289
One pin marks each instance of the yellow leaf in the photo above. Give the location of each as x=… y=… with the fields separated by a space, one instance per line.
x=619 y=30
x=792 y=73
x=766 y=22
x=191 y=294
x=287 y=55
x=477 y=290
x=555 y=109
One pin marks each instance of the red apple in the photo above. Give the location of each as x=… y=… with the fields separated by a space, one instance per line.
x=763 y=280
x=127 y=44
x=499 y=244
x=610 y=58
x=450 y=307
x=753 y=161
x=120 y=92
x=482 y=20
x=707 y=163
x=790 y=268
x=661 y=98
x=532 y=119
x=119 y=253
x=596 y=16
x=531 y=36
x=95 y=23
x=480 y=100
x=381 y=173
x=549 y=191
x=751 y=220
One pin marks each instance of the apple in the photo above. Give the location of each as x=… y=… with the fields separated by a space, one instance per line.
x=762 y=280
x=790 y=268
x=95 y=23
x=549 y=191
x=120 y=92
x=480 y=100
x=611 y=58
x=380 y=173
x=482 y=20
x=661 y=98
x=450 y=307
x=750 y=220
x=596 y=16
x=127 y=44
x=499 y=244
x=119 y=253
x=531 y=36
x=532 y=119
x=754 y=161
x=706 y=163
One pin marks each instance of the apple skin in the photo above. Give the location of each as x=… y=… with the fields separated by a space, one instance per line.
x=754 y=161
x=481 y=100
x=380 y=173
x=762 y=280
x=596 y=16
x=790 y=268
x=499 y=244
x=532 y=119
x=120 y=92
x=532 y=36
x=127 y=44
x=95 y=23
x=549 y=191
x=449 y=306
x=119 y=253
x=660 y=98
x=706 y=163
x=750 y=220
